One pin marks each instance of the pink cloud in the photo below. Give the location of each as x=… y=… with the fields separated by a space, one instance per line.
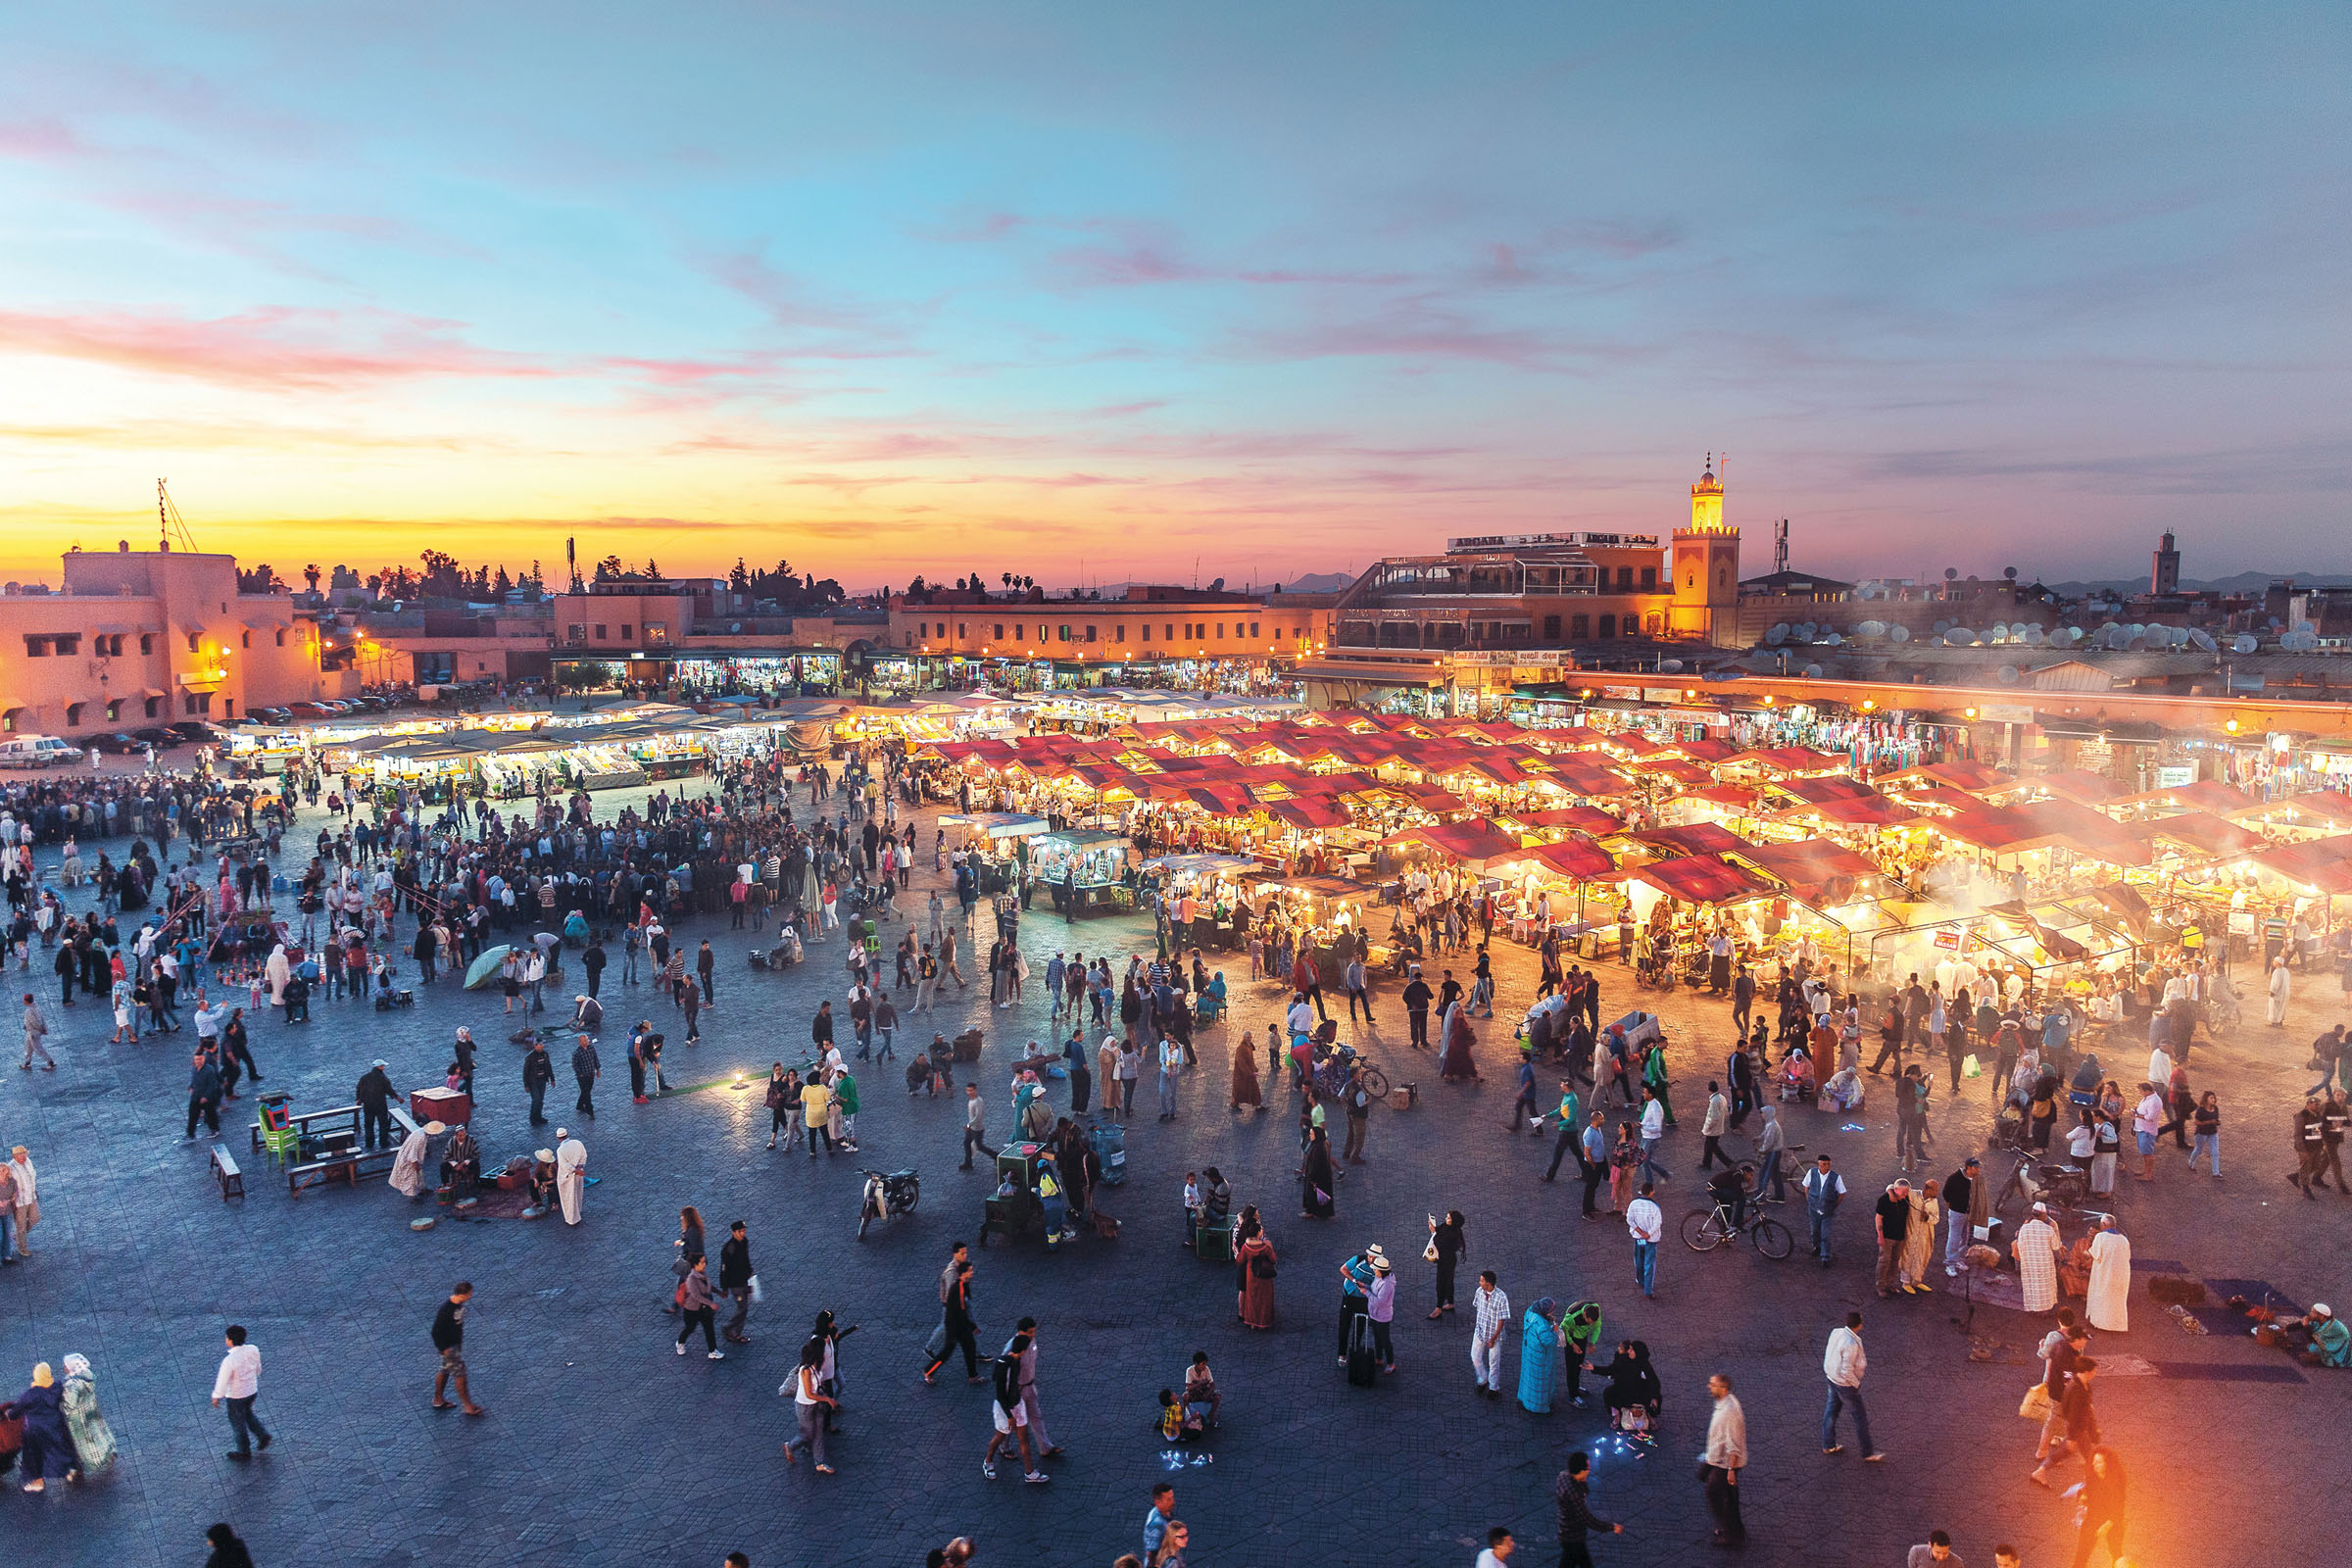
x=820 y=326
x=276 y=345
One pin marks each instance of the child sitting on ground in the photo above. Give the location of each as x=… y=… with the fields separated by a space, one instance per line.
x=1177 y=1424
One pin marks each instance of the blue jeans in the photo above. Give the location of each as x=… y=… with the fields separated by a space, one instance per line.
x=2208 y=1145
x=8 y=1233
x=1646 y=1266
x=1841 y=1396
x=1652 y=1170
x=1770 y=1173
x=1820 y=1234
x=245 y=1424
x=1168 y=1093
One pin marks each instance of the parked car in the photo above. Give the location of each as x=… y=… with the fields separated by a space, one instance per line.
x=196 y=732
x=155 y=735
x=36 y=751
x=273 y=715
x=119 y=744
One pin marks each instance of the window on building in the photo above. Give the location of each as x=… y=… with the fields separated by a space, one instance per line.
x=282 y=636
x=155 y=706
x=1654 y=624
x=1608 y=627
x=244 y=639
x=113 y=710
x=1579 y=627
x=911 y=639
x=964 y=628
x=1625 y=579
x=575 y=633
x=1171 y=629
x=1119 y=635
x=72 y=715
x=1649 y=580
x=36 y=646
x=192 y=636
x=1016 y=631
x=1063 y=631
x=1221 y=632
x=1254 y=631
x=599 y=632
x=999 y=634
x=69 y=643
x=1145 y=635
x=146 y=641
x=1090 y=634
x=628 y=631
x=195 y=703
x=655 y=632
x=1551 y=628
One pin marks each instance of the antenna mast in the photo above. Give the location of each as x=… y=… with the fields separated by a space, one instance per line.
x=169 y=523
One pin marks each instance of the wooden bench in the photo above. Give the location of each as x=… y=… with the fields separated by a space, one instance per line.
x=225 y=1167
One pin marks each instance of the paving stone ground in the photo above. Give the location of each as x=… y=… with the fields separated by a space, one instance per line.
x=601 y=1446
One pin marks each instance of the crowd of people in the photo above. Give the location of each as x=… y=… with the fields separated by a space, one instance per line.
x=395 y=893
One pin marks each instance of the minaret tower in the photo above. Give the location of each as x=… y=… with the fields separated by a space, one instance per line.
x=1706 y=565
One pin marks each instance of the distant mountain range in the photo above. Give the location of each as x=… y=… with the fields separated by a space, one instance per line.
x=1320 y=582
x=2244 y=582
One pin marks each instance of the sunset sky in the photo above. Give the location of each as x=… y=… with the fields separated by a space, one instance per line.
x=1093 y=292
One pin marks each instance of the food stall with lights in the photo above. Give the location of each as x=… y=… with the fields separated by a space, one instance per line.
x=1084 y=869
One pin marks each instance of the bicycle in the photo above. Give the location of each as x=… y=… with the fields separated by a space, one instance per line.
x=1707 y=1228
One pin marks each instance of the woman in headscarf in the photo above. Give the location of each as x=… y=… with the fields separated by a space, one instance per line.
x=1253 y=1261
x=85 y=1423
x=1538 y=1359
x=1633 y=1386
x=1316 y=1182
x=281 y=969
x=48 y=1449
x=1245 y=1089
x=1454 y=1059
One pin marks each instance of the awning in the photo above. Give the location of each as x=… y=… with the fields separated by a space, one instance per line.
x=1695 y=838
x=1702 y=879
x=2323 y=865
x=1474 y=840
x=1579 y=858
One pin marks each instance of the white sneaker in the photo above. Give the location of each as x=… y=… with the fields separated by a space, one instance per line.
x=716 y=1356
x=681 y=1346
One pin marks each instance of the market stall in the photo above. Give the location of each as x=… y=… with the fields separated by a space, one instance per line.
x=1084 y=869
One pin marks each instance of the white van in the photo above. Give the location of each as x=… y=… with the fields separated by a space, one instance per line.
x=36 y=751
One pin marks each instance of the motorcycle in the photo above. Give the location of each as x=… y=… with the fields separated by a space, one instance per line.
x=886 y=1196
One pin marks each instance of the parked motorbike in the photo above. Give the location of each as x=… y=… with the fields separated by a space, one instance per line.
x=885 y=1196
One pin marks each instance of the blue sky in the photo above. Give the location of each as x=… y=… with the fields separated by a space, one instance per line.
x=1095 y=291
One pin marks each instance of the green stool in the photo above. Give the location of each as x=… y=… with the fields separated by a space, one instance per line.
x=1214 y=1243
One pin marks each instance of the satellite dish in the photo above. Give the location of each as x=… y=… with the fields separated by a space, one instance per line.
x=1942 y=626
x=2243 y=644
x=1899 y=635
x=2006 y=675
x=2302 y=640
x=1778 y=635
x=2200 y=640
x=2036 y=637
x=1831 y=640
x=1812 y=672
x=2137 y=645
x=1960 y=637
x=1871 y=628
x=1805 y=630
x=1670 y=667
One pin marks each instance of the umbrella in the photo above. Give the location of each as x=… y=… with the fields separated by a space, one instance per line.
x=484 y=967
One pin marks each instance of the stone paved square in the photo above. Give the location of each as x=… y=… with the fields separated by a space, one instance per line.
x=603 y=1448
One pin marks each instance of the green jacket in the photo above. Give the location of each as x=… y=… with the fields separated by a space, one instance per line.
x=845 y=1089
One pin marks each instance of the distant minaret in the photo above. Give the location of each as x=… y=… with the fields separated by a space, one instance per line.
x=2165 y=577
x=1706 y=565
